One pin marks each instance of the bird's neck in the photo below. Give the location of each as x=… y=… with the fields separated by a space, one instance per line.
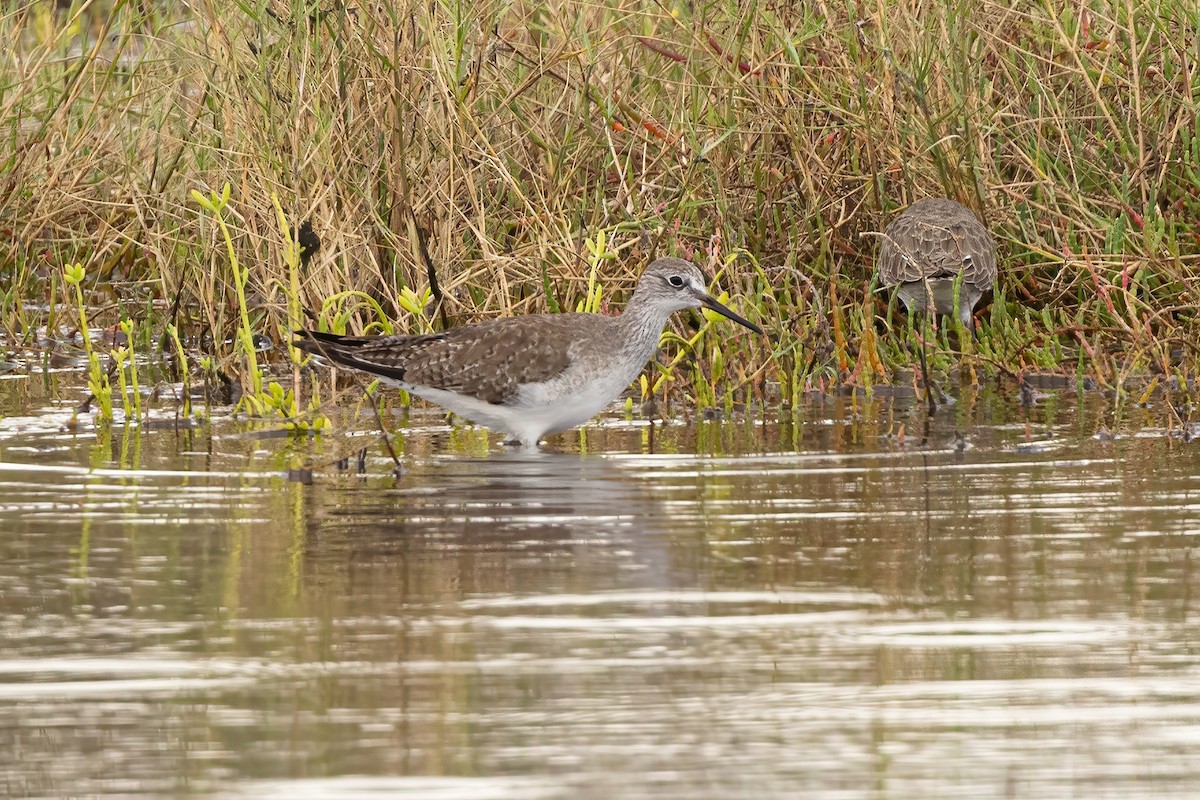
x=642 y=324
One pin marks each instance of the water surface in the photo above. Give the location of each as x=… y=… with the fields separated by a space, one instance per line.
x=815 y=606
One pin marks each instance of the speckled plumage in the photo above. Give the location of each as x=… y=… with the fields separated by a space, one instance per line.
x=487 y=360
x=533 y=375
x=925 y=249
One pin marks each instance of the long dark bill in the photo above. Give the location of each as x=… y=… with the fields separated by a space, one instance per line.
x=708 y=301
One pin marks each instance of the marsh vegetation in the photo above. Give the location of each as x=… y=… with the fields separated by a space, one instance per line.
x=457 y=161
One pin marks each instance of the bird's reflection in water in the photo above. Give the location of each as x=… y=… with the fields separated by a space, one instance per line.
x=512 y=522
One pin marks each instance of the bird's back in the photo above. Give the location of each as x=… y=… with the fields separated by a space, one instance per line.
x=487 y=360
x=937 y=238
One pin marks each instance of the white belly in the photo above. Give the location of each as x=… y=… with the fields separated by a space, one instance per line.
x=538 y=409
x=556 y=408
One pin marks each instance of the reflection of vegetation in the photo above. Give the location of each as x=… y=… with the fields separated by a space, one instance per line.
x=454 y=159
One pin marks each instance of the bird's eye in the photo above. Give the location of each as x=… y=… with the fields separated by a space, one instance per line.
x=675 y=281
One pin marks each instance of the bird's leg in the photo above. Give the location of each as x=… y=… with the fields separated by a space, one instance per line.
x=398 y=470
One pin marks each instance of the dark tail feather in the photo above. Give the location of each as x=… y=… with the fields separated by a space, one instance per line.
x=315 y=342
x=332 y=338
x=343 y=351
x=321 y=343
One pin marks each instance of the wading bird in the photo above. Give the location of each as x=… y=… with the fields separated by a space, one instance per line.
x=534 y=375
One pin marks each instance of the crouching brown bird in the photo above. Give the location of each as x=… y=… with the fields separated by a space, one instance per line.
x=927 y=248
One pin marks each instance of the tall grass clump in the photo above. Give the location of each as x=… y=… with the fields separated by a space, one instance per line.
x=455 y=158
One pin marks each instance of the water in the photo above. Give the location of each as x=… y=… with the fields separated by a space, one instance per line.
x=817 y=608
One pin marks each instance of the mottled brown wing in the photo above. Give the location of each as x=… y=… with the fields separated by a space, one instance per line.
x=937 y=238
x=487 y=360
